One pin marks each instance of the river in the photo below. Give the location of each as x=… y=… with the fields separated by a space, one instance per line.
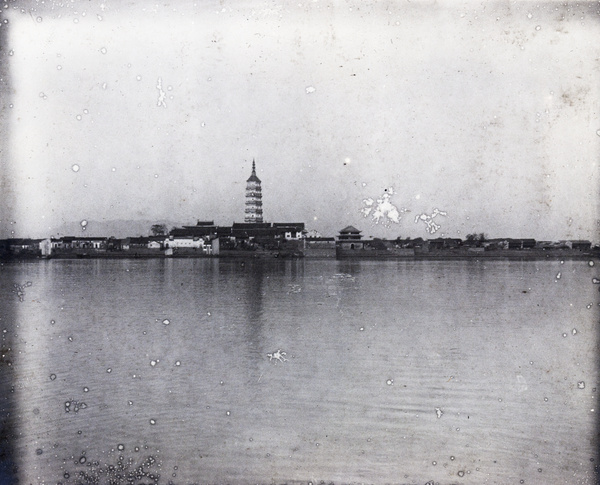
x=215 y=371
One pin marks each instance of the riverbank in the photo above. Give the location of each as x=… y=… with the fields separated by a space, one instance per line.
x=372 y=255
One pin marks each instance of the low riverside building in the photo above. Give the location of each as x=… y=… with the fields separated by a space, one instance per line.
x=135 y=243
x=78 y=242
x=25 y=246
x=521 y=243
x=444 y=243
x=292 y=231
x=185 y=242
x=580 y=245
x=156 y=242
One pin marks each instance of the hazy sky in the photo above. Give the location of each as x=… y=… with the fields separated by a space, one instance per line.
x=487 y=111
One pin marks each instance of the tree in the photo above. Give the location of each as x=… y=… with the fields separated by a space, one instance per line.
x=158 y=229
x=476 y=237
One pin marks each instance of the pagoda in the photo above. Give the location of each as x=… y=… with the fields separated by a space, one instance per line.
x=254 y=212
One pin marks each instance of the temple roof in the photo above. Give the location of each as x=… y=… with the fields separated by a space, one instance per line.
x=350 y=230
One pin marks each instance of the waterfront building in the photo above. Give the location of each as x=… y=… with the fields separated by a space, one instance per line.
x=254 y=212
x=580 y=245
x=276 y=230
x=201 y=229
x=290 y=230
x=350 y=238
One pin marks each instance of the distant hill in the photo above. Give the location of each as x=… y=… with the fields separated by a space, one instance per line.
x=116 y=228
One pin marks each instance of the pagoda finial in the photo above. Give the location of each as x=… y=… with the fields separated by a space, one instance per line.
x=253 y=167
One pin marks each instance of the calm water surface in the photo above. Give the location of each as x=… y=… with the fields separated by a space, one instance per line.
x=396 y=372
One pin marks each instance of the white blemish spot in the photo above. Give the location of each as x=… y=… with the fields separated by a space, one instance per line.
x=438 y=412
x=581 y=385
x=103 y=50
x=277 y=356
x=522 y=384
x=75 y=167
x=83 y=224
x=390 y=382
x=382 y=210
x=161 y=94
x=432 y=227
x=310 y=89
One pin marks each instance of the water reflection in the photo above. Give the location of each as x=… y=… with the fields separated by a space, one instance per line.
x=8 y=408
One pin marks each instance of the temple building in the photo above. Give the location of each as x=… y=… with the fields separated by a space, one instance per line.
x=350 y=238
x=254 y=212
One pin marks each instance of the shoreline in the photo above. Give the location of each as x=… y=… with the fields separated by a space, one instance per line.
x=514 y=255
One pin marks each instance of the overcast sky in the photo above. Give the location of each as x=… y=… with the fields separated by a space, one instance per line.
x=485 y=111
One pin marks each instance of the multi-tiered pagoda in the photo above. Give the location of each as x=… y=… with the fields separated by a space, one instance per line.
x=254 y=212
